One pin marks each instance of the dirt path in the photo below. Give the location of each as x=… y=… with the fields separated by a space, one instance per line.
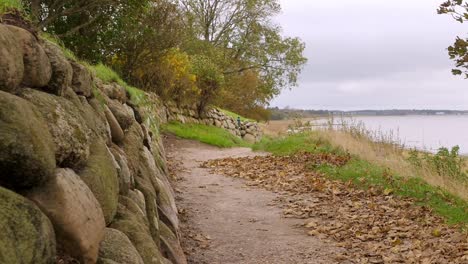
x=226 y=222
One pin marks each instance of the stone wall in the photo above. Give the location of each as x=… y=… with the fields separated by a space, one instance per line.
x=83 y=174
x=249 y=131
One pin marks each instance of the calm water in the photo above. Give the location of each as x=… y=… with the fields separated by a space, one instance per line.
x=423 y=132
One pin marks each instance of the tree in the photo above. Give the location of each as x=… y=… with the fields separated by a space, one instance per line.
x=242 y=31
x=458 y=52
x=209 y=80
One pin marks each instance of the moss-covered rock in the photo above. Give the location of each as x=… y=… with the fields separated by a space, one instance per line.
x=100 y=174
x=62 y=71
x=27 y=154
x=82 y=80
x=118 y=248
x=126 y=180
x=68 y=128
x=122 y=112
x=170 y=245
x=11 y=64
x=139 y=234
x=116 y=131
x=37 y=68
x=75 y=213
x=27 y=234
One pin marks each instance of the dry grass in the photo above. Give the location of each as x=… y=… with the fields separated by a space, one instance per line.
x=390 y=155
x=395 y=159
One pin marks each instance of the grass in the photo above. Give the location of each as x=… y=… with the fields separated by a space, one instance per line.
x=7 y=5
x=234 y=115
x=291 y=144
x=207 y=134
x=365 y=174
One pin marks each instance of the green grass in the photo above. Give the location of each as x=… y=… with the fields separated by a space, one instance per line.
x=234 y=115
x=54 y=39
x=291 y=144
x=6 y=5
x=365 y=175
x=207 y=134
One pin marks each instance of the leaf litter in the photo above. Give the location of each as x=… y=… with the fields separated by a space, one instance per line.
x=372 y=225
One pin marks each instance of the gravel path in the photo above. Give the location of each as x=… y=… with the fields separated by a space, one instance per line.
x=223 y=221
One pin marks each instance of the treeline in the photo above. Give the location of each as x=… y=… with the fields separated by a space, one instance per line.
x=227 y=53
x=288 y=113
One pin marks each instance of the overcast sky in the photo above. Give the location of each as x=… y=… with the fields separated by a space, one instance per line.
x=373 y=54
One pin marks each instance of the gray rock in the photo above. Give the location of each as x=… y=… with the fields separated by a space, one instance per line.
x=27 y=152
x=116 y=131
x=68 y=128
x=123 y=113
x=75 y=214
x=11 y=62
x=62 y=71
x=118 y=248
x=82 y=80
x=100 y=174
x=37 y=68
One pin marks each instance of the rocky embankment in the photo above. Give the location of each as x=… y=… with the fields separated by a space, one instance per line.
x=83 y=174
x=249 y=131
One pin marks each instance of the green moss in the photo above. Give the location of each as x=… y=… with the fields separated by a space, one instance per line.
x=207 y=134
x=9 y=5
x=27 y=234
x=101 y=177
x=54 y=39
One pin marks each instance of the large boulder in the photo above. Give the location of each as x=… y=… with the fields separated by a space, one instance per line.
x=171 y=246
x=11 y=62
x=62 y=71
x=113 y=91
x=123 y=113
x=116 y=131
x=136 y=228
x=100 y=174
x=27 y=154
x=75 y=214
x=27 y=234
x=68 y=128
x=125 y=178
x=37 y=68
x=118 y=248
x=82 y=82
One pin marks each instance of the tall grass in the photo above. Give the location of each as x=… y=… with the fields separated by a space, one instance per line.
x=386 y=149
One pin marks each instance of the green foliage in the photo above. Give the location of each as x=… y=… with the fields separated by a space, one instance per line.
x=209 y=80
x=207 y=134
x=458 y=52
x=294 y=143
x=366 y=175
x=447 y=163
x=9 y=5
x=106 y=74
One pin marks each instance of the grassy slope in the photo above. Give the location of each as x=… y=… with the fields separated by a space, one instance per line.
x=207 y=134
x=234 y=115
x=365 y=174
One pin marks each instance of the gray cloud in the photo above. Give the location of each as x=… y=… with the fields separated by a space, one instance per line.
x=373 y=54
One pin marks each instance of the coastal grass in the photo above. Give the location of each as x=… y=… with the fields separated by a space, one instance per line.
x=207 y=134
x=366 y=172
